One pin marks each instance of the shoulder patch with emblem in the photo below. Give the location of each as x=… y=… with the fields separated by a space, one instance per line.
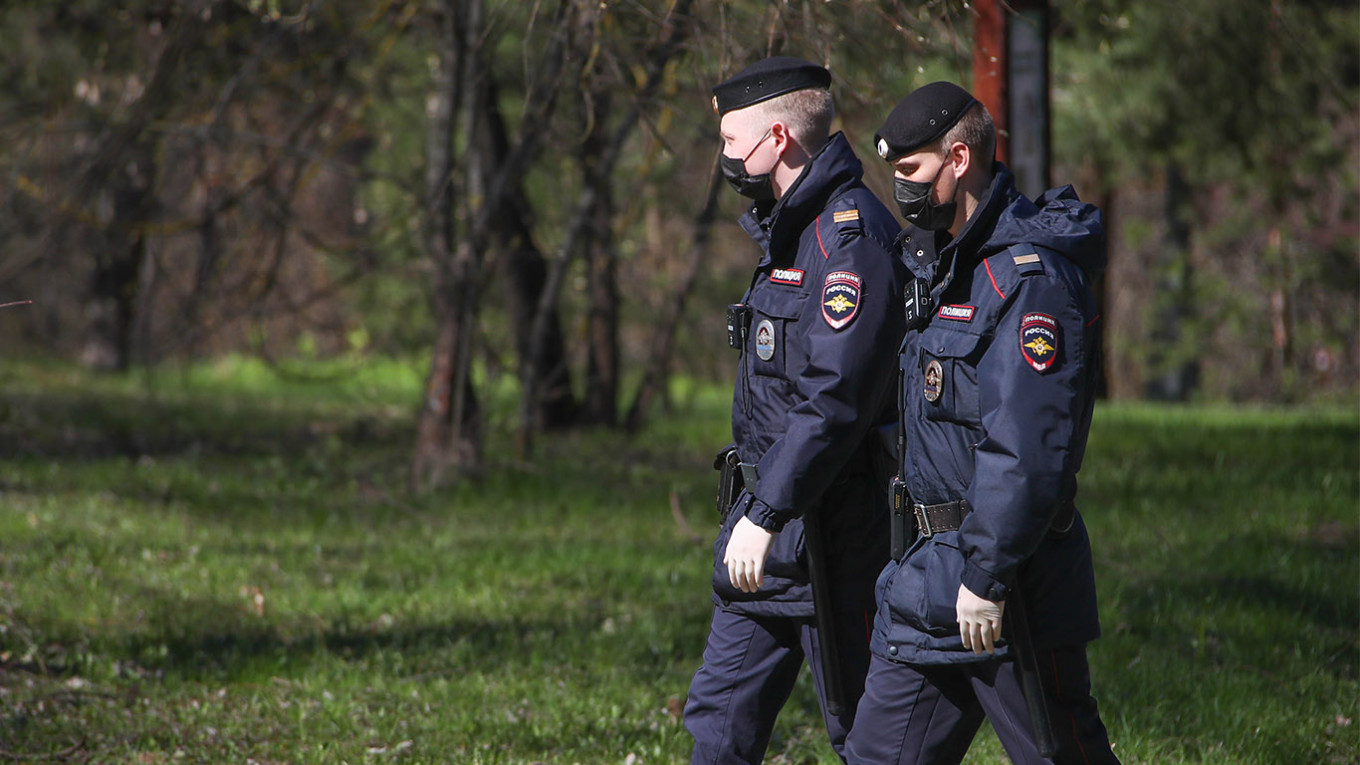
x=840 y=298
x=1039 y=340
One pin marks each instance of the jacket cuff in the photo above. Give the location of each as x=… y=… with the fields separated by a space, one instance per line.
x=766 y=517
x=981 y=583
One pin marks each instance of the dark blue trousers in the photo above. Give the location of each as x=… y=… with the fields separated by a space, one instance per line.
x=916 y=715
x=750 y=666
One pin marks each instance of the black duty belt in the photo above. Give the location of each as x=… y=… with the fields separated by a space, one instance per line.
x=929 y=520
x=935 y=519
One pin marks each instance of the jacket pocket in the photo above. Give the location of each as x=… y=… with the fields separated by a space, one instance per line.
x=924 y=588
x=776 y=314
x=786 y=561
x=943 y=573
x=788 y=554
x=949 y=375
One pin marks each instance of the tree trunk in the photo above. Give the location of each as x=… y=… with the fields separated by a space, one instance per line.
x=654 y=372
x=1101 y=287
x=120 y=176
x=602 y=317
x=447 y=433
x=1173 y=378
x=120 y=249
x=1281 y=306
x=673 y=35
x=526 y=273
x=602 y=367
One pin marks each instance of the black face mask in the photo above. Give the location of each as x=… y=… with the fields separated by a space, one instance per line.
x=757 y=187
x=913 y=199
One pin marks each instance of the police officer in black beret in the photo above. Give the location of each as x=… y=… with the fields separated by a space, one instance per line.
x=816 y=330
x=988 y=602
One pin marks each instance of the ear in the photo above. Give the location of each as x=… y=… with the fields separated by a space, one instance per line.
x=779 y=133
x=961 y=157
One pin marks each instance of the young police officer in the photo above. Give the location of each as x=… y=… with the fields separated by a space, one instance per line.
x=996 y=397
x=815 y=380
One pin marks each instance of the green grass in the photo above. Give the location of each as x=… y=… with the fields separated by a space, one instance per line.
x=217 y=564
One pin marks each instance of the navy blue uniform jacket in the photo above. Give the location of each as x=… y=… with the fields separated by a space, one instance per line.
x=996 y=400
x=816 y=379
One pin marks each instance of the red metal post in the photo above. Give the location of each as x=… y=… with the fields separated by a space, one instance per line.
x=989 y=68
x=1010 y=78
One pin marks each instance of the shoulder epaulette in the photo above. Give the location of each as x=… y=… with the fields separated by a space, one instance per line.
x=1025 y=258
x=845 y=216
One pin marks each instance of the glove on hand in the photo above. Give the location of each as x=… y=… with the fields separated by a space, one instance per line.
x=746 y=553
x=979 y=621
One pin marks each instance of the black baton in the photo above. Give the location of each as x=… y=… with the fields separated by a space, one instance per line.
x=826 y=623
x=1023 y=648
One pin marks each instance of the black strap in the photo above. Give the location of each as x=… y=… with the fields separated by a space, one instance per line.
x=935 y=519
x=750 y=473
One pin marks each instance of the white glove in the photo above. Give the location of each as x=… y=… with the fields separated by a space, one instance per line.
x=979 y=621
x=745 y=556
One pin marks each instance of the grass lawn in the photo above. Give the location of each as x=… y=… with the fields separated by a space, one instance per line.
x=218 y=565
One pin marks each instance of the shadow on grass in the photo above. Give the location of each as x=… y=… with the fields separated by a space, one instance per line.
x=273 y=450
x=207 y=639
x=73 y=427
x=453 y=648
x=1258 y=598
x=1258 y=446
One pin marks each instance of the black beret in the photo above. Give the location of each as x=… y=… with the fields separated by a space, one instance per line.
x=766 y=79
x=921 y=117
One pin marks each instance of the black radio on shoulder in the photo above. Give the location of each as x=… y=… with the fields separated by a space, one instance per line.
x=738 y=324
x=916 y=296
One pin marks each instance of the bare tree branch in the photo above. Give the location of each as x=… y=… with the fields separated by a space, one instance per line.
x=653 y=376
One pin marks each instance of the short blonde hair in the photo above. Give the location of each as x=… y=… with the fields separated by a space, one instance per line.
x=807 y=112
x=974 y=130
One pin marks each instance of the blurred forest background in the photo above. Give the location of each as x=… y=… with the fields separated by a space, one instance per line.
x=520 y=197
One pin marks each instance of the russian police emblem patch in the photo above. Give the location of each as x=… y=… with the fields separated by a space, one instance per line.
x=1039 y=340
x=840 y=298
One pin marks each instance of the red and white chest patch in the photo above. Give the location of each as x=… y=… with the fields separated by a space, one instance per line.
x=840 y=298
x=957 y=312
x=792 y=276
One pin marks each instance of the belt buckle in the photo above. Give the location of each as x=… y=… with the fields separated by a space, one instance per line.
x=922 y=520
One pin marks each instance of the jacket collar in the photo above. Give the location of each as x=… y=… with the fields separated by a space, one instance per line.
x=777 y=227
x=978 y=229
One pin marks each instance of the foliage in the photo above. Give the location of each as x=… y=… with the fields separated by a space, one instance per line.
x=214 y=563
x=1246 y=92
x=281 y=161
x=1254 y=105
x=187 y=161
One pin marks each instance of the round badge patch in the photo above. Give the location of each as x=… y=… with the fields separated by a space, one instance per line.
x=933 y=380
x=765 y=339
